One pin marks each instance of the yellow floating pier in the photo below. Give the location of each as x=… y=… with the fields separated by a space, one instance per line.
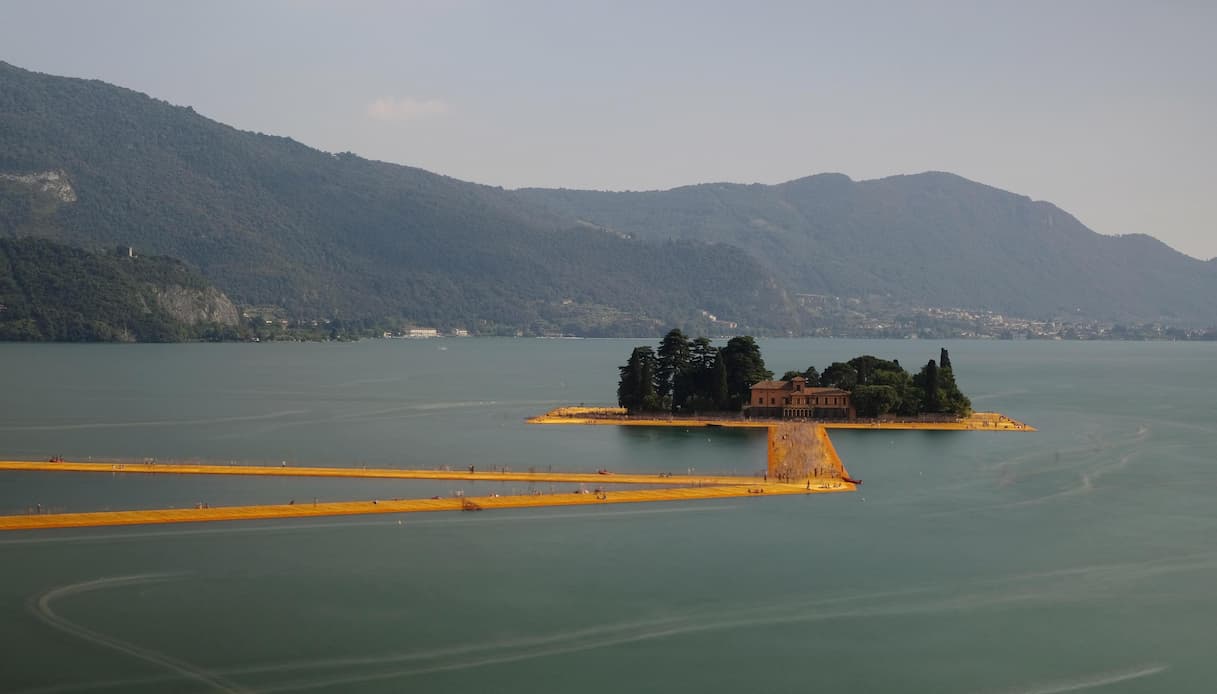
x=676 y=488
x=373 y=473
x=797 y=449
x=351 y=508
x=801 y=460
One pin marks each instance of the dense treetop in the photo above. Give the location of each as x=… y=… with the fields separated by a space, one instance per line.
x=694 y=376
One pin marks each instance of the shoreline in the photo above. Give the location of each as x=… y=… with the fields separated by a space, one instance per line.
x=977 y=421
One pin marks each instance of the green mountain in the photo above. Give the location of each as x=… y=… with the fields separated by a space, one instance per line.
x=309 y=235
x=275 y=223
x=931 y=239
x=53 y=292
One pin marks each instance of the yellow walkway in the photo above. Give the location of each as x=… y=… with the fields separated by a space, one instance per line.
x=676 y=488
x=348 y=508
x=797 y=449
x=375 y=473
x=801 y=460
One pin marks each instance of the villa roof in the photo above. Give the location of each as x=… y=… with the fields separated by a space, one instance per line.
x=770 y=385
x=789 y=385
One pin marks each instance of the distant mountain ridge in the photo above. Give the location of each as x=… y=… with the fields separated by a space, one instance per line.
x=930 y=239
x=272 y=222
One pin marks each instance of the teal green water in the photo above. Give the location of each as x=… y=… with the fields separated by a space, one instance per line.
x=1077 y=558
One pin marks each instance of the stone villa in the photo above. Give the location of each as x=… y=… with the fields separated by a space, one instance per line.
x=794 y=399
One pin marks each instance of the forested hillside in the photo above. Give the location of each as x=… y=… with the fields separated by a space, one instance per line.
x=310 y=235
x=273 y=222
x=53 y=292
x=932 y=239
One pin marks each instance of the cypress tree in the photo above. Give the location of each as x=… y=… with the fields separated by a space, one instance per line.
x=953 y=400
x=927 y=381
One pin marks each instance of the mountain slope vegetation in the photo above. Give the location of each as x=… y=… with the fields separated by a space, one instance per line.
x=273 y=222
x=931 y=239
x=57 y=293
x=308 y=234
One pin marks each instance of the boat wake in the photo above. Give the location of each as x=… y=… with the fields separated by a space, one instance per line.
x=1039 y=589
x=40 y=607
x=1092 y=681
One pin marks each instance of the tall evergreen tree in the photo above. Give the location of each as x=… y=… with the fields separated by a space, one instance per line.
x=951 y=398
x=694 y=385
x=636 y=388
x=671 y=361
x=701 y=353
x=745 y=366
x=684 y=388
x=944 y=359
x=720 y=392
x=927 y=382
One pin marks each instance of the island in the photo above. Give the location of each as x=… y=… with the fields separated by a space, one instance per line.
x=691 y=383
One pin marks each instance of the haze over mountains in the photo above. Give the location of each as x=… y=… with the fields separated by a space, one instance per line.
x=275 y=223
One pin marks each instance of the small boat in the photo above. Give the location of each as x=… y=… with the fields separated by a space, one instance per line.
x=851 y=480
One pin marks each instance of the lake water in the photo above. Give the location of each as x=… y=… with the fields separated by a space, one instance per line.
x=1081 y=557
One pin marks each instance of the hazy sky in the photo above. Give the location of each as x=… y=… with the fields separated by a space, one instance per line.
x=1108 y=109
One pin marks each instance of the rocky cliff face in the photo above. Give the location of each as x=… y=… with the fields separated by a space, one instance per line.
x=194 y=306
x=54 y=183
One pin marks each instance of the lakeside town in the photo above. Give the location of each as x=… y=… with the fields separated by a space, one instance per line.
x=929 y=323
x=854 y=318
